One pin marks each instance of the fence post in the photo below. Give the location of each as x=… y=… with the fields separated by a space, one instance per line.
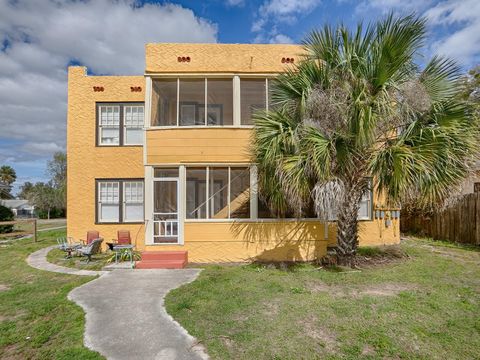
x=35 y=230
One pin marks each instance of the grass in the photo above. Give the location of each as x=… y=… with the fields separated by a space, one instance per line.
x=42 y=224
x=36 y=319
x=424 y=306
x=57 y=256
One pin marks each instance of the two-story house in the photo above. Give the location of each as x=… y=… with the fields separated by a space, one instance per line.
x=166 y=156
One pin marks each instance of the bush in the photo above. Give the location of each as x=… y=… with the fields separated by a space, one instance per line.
x=54 y=213
x=6 y=215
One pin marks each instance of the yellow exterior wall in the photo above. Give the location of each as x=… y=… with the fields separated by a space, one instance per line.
x=226 y=58
x=206 y=241
x=198 y=145
x=85 y=161
x=244 y=241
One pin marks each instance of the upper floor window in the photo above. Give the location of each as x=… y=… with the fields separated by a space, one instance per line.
x=208 y=101
x=192 y=102
x=253 y=97
x=120 y=124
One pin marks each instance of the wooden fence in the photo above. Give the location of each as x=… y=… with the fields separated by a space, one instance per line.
x=32 y=231
x=458 y=223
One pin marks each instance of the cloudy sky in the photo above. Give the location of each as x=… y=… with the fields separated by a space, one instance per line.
x=40 y=38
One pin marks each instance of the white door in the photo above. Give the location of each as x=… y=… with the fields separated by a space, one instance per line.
x=165 y=211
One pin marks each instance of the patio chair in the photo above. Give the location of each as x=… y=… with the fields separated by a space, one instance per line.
x=91 y=235
x=123 y=238
x=91 y=249
x=67 y=245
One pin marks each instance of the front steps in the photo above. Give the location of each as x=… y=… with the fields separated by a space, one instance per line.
x=163 y=260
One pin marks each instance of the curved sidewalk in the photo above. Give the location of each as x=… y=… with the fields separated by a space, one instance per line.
x=125 y=312
x=38 y=260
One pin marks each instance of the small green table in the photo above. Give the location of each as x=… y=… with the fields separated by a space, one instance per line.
x=119 y=248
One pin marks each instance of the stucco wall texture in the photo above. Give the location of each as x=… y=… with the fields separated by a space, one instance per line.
x=87 y=162
x=220 y=58
x=205 y=241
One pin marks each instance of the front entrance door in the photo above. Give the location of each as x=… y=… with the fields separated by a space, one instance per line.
x=165 y=211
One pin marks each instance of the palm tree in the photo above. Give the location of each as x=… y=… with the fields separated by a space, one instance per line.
x=7 y=175
x=358 y=112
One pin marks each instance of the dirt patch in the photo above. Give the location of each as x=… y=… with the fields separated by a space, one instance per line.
x=270 y=308
x=325 y=336
x=368 y=351
x=385 y=289
x=388 y=289
x=4 y=287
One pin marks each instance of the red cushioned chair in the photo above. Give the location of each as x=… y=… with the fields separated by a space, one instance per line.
x=123 y=237
x=91 y=235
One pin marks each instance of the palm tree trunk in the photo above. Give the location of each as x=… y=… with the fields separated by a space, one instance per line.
x=347 y=226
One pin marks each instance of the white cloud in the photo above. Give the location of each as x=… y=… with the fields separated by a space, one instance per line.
x=274 y=12
x=235 y=2
x=386 y=6
x=454 y=25
x=42 y=38
x=281 y=39
x=463 y=17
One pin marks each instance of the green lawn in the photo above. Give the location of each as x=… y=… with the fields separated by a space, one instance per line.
x=426 y=306
x=36 y=319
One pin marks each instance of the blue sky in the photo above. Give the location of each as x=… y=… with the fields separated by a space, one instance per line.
x=41 y=38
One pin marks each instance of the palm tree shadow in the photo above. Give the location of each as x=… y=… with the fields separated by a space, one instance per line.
x=282 y=241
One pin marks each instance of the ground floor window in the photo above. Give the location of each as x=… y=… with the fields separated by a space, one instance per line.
x=120 y=201
x=217 y=192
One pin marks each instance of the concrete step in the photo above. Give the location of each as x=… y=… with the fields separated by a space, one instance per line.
x=161 y=264
x=165 y=255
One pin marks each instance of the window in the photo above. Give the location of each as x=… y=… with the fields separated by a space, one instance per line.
x=164 y=102
x=192 y=102
x=109 y=125
x=120 y=124
x=226 y=196
x=133 y=201
x=119 y=201
x=108 y=201
x=133 y=125
x=252 y=98
x=365 y=209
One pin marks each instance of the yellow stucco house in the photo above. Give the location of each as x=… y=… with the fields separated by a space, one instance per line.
x=165 y=155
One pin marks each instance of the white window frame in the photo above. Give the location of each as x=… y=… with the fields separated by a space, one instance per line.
x=210 y=198
x=120 y=127
x=138 y=203
x=236 y=80
x=139 y=122
x=121 y=201
x=102 y=126
x=100 y=201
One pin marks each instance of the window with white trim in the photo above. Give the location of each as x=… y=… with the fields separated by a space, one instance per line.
x=108 y=201
x=217 y=192
x=120 y=124
x=132 y=201
x=365 y=206
x=133 y=124
x=109 y=124
x=120 y=201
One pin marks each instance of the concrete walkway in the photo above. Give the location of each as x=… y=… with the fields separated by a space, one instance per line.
x=125 y=315
x=126 y=318
x=38 y=260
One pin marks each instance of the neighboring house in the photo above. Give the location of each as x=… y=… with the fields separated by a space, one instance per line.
x=20 y=208
x=145 y=154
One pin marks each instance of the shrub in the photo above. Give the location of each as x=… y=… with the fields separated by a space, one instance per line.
x=6 y=215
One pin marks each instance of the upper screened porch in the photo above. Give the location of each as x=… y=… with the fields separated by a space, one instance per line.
x=201 y=98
